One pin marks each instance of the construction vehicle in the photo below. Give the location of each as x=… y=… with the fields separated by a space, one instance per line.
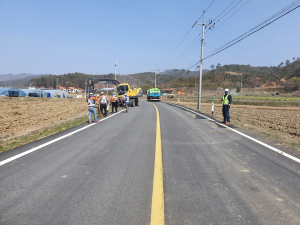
x=122 y=88
x=153 y=94
x=133 y=94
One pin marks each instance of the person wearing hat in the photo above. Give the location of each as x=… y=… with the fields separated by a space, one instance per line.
x=114 y=103
x=226 y=102
x=126 y=101
x=92 y=103
x=103 y=104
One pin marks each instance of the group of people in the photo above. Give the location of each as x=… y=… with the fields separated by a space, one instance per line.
x=102 y=102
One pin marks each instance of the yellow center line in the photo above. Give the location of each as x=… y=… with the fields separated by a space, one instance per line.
x=158 y=208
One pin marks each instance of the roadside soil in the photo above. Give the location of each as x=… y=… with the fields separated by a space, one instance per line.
x=22 y=116
x=278 y=123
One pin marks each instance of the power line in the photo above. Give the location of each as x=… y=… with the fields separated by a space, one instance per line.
x=241 y=57
x=210 y=5
x=228 y=18
x=230 y=10
x=224 y=10
x=272 y=19
x=268 y=19
x=242 y=47
x=184 y=37
x=185 y=51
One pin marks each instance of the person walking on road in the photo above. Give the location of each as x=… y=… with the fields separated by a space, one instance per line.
x=103 y=104
x=91 y=103
x=226 y=102
x=114 y=103
x=126 y=101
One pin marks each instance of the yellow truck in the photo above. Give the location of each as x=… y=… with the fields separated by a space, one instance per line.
x=122 y=88
x=133 y=94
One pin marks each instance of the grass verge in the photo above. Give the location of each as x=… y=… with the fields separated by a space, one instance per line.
x=7 y=145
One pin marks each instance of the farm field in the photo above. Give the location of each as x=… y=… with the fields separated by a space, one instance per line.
x=23 y=116
x=278 y=123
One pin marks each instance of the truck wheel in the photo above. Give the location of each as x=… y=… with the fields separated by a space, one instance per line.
x=131 y=103
x=136 y=102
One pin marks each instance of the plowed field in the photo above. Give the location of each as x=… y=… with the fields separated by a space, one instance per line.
x=20 y=116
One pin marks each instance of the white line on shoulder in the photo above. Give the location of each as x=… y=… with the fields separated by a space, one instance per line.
x=51 y=142
x=244 y=135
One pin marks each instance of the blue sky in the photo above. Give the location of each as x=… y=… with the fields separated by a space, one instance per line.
x=88 y=36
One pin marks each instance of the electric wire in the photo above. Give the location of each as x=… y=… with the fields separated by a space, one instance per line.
x=227 y=19
x=242 y=47
x=239 y=56
x=184 y=37
x=229 y=10
x=191 y=45
x=272 y=19
x=224 y=10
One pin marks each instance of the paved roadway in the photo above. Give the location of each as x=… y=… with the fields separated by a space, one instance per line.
x=104 y=175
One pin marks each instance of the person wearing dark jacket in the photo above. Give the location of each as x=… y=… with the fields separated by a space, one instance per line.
x=226 y=102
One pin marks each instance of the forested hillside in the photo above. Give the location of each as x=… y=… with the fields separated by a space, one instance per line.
x=285 y=74
x=78 y=79
x=231 y=76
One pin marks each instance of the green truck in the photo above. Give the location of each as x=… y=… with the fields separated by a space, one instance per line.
x=153 y=94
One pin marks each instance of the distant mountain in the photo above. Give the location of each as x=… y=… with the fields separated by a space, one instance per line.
x=17 y=80
x=183 y=73
x=11 y=77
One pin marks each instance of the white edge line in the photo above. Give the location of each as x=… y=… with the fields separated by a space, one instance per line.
x=242 y=134
x=51 y=142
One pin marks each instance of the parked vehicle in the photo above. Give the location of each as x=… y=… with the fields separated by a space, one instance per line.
x=153 y=94
x=133 y=94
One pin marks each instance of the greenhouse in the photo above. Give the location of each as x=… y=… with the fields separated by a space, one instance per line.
x=34 y=93
x=12 y=92
x=56 y=94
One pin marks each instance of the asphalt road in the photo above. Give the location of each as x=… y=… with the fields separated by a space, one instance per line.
x=104 y=175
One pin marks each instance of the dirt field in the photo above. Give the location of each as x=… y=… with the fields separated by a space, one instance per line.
x=281 y=123
x=21 y=116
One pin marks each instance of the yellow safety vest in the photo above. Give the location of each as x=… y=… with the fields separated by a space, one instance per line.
x=225 y=100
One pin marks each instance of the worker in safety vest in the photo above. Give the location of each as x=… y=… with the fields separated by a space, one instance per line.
x=114 y=103
x=103 y=104
x=226 y=102
x=126 y=101
x=92 y=103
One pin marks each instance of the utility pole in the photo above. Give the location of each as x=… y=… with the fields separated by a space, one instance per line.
x=241 y=83
x=116 y=63
x=56 y=83
x=201 y=58
x=155 y=76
